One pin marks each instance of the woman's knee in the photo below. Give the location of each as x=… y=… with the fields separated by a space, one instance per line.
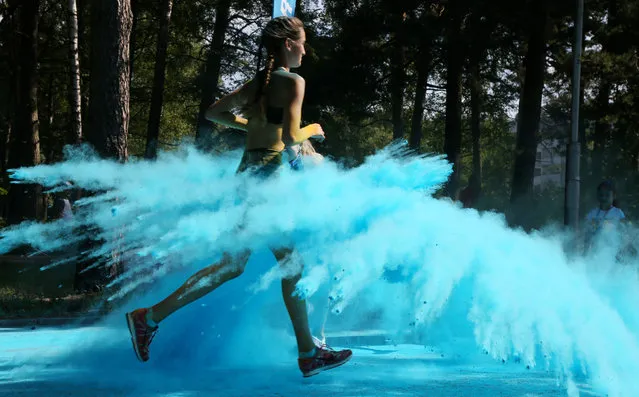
x=234 y=266
x=282 y=254
x=292 y=265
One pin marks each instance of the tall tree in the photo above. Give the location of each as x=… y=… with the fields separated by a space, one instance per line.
x=109 y=96
x=480 y=37
x=423 y=63
x=84 y=49
x=398 y=71
x=155 y=114
x=454 y=66
x=475 y=115
x=529 y=111
x=25 y=201
x=75 y=94
x=211 y=75
x=9 y=70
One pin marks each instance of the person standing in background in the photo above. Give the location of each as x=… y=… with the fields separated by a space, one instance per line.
x=605 y=215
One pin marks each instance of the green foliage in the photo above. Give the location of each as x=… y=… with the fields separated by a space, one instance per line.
x=498 y=142
x=347 y=70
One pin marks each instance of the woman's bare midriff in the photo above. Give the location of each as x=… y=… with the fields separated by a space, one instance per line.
x=266 y=136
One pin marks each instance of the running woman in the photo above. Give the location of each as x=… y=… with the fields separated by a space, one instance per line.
x=272 y=105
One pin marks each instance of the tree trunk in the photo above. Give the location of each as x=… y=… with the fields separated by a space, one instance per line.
x=398 y=76
x=132 y=42
x=24 y=201
x=4 y=156
x=481 y=37
x=5 y=144
x=211 y=75
x=155 y=114
x=423 y=69
x=75 y=94
x=529 y=115
x=584 y=163
x=109 y=91
x=10 y=90
x=85 y=59
x=48 y=149
x=475 y=120
x=452 y=138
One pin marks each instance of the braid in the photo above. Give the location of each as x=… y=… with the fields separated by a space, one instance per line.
x=266 y=79
x=268 y=69
x=259 y=56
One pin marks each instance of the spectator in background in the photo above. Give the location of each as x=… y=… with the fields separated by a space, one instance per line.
x=606 y=214
x=62 y=205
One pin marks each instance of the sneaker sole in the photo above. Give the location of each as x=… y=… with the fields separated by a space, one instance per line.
x=131 y=323
x=326 y=368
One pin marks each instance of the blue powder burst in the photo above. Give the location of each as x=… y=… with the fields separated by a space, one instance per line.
x=373 y=240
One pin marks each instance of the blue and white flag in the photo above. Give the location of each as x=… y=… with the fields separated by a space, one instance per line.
x=283 y=8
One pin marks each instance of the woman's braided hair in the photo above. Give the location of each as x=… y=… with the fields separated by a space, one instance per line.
x=273 y=36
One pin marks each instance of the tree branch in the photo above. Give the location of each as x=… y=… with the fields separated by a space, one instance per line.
x=243 y=18
x=236 y=47
x=241 y=30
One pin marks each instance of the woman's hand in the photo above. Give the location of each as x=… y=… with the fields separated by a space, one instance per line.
x=317 y=133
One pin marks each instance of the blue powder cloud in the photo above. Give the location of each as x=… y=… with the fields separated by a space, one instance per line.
x=373 y=240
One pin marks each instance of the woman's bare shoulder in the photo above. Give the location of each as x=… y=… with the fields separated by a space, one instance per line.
x=289 y=77
x=292 y=85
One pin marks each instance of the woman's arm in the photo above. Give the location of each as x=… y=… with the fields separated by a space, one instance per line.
x=221 y=112
x=292 y=134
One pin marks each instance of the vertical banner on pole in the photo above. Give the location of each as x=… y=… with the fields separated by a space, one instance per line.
x=283 y=8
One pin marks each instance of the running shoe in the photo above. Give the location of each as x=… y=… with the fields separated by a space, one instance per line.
x=325 y=358
x=141 y=333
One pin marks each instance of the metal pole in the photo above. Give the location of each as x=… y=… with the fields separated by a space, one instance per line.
x=571 y=200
